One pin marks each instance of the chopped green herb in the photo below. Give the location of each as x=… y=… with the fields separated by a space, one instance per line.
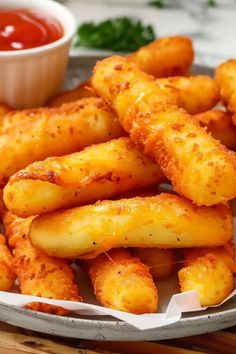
x=121 y=34
x=212 y=3
x=156 y=3
x=161 y=3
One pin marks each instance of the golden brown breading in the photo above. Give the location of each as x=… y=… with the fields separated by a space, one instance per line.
x=225 y=252
x=220 y=125
x=165 y=221
x=169 y=56
x=16 y=229
x=161 y=262
x=81 y=91
x=55 y=132
x=7 y=270
x=234 y=119
x=2 y=205
x=122 y=282
x=210 y=273
x=199 y=167
x=4 y=109
x=98 y=172
x=225 y=77
x=196 y=94
x=38 y=274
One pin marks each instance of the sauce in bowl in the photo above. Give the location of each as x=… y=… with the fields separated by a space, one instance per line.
x=25 y=29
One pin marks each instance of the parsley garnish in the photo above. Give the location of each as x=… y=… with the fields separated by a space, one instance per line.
x=211 y=3
x=156 y=3
x=121 y=34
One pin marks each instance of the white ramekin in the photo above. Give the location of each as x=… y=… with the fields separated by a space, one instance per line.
x=29 y=78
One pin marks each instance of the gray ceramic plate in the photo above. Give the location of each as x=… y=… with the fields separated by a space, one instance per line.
x=107 y=328
x=103 y=328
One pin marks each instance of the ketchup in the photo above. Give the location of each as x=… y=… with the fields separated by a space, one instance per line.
x=24 y=29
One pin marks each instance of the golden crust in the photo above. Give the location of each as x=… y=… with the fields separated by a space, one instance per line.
x=225 y=77
x=31 y=115
x=161 y=262
x=98 y=172
x=188 y=156
x=209 y=272
x=4 y=109
x=220 y=125
x=84 y=90
x=7 y=271
x=55 y=132
x=165 y=57
x=38 y=274
x=225 y=252
x=196 y=94
x=165 y=221
x=122 y=282
x=16 y=229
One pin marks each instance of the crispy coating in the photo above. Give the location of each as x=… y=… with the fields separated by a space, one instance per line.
x=234 y=119
x=55 y=132
x=188 y=156
x=196 y=94
x=122 y=282
x=16 y=229
x=38 y=274
x=2 y=205
x=165 y=221
x=4 y=109
x=161 y=262
x=210 y=273
x=225 y=252
x=169 y=56
x=220 y=125
x=225 y=77
x=98 y=172
x=7 y=271
x=81 y=91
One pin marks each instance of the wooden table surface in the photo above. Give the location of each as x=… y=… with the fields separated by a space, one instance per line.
x=14 y=340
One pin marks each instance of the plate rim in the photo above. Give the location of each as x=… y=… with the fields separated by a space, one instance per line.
x=111 y=323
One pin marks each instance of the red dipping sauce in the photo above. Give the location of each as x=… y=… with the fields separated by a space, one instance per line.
x=25 y=29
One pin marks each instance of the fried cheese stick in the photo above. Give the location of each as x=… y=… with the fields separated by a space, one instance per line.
x=199 y=167
x=234 y=119
x=169 y=56
x=4 y=109
x=161 y=262
x=88 y=112
x=55 y=132
x=7 y=270
x=81 y=91
x=196 y=94
x=98 y=172
x=209 y=272
x=220 y=125
x=165 y=221
x=225 y=77
x=122 y=282
x=38 y=274
x=16 y=229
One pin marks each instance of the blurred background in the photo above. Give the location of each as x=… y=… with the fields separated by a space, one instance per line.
x=210 y=23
